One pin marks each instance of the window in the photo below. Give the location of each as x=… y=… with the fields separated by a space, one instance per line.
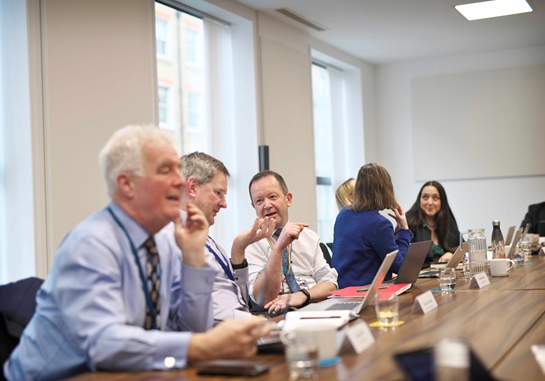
x=338 y=134
x=211 y=105
x=193 y=111
x=164 y=108
x=323 y=148
x=185 y=72
x=192 y=40
x=161 y=35
x=19 y=205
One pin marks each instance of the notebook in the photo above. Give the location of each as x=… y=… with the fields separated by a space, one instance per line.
x=509 y=236
x=361 y=291
x=357 y=305
x=412 y=265
x=452 y=263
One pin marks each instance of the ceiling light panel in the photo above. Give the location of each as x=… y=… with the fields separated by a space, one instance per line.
x=494 y=8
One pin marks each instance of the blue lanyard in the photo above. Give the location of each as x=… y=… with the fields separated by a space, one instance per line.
x=224 y=265
x=151 y=308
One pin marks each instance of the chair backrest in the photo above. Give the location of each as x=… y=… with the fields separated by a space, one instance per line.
x=18 y=303
x=326 y=252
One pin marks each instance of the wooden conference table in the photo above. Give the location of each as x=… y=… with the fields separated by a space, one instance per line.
x=500 y=322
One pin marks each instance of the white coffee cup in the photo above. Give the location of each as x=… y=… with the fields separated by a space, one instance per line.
x=324 y=335
x=500 y=266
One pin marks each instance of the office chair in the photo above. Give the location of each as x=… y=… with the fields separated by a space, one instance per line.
x=17 y=305
x=326 y=251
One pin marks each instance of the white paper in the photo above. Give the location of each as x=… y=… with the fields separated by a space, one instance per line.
x=296 y=319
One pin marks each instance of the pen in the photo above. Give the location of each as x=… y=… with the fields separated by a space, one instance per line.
x=367 y=289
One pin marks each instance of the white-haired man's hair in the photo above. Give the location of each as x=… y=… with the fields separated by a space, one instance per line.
x=123 y=152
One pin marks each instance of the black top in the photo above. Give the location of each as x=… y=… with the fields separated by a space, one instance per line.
x=536 y=213
x=423 y=233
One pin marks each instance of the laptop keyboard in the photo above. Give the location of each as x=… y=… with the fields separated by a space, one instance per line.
x=343 y=306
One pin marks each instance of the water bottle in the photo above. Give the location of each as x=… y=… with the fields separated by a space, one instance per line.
x=476 y=242
x=498 y=248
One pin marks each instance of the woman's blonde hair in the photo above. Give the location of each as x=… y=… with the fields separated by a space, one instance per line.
x=373 y=189
x=344 y=194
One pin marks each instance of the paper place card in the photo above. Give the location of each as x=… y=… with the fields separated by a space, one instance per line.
x=359 y=335
x=479 y=280
x=424 y=303
x=539 y=354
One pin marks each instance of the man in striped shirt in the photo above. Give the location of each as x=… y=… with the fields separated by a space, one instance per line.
x=287 y=269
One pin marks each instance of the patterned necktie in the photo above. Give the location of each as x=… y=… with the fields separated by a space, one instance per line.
x=153 y=271
x=286 y=268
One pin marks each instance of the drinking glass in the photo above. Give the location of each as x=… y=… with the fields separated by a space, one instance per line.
x=467 y=273
x=301 y=352
x=526 y=250
x=387 y=309
x=447 y=279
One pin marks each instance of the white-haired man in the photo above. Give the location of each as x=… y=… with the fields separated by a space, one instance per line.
x=120 y=294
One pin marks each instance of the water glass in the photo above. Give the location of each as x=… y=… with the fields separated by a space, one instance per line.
x=301 y=352
x=518 y=256
x=447 y=279
x=467 y=273
x=387 y=309
x=526 y=250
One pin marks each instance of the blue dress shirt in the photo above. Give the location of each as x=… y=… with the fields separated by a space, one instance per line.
x=91 y=309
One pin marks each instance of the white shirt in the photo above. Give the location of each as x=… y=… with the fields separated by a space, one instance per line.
x=307 y=262
x=229 y=297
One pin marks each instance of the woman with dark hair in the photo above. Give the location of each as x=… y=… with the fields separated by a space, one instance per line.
x=362 y=236
x=430 y=218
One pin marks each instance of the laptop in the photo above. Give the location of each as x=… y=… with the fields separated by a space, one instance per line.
x=525 y=231
x=356 y=305
x=452 y=263
x=509 y=236
x=412 y=265
x=513 y=246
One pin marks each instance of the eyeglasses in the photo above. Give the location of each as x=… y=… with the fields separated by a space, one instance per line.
x=218 y=192
x=221 y=194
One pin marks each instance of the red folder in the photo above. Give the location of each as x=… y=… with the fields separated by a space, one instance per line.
x=361 y=291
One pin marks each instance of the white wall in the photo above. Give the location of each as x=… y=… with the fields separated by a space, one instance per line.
x=475 y=202
x=287 y=112
x=91 y=88
x=98 y=76
x=502 y=107
x=286 y=56
x=92 y=71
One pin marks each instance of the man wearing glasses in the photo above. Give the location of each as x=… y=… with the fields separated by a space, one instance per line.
x=206 y=187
